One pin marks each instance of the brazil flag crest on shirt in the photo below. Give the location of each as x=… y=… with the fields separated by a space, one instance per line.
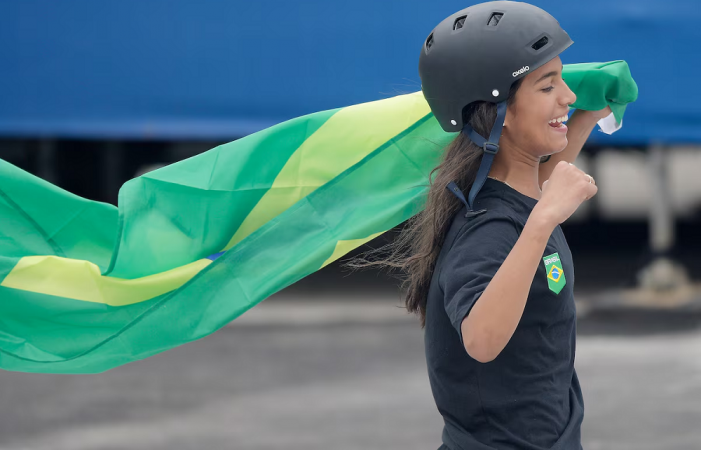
x=555 y=274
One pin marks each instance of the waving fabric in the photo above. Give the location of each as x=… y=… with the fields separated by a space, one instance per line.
x=86 y=286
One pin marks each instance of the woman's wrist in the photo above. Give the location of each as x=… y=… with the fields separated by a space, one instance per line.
x=541 y=219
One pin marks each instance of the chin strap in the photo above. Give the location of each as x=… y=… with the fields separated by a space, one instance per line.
x=490 y=147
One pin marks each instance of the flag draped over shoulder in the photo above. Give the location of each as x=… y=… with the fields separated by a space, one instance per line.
x=85 y=286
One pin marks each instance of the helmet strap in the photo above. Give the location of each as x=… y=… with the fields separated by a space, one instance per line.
x=490 y=147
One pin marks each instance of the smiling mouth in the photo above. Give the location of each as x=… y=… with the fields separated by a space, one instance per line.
x=555 y=123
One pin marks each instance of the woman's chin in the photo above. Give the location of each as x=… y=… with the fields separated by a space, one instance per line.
x=554 y=151
x=561 y=147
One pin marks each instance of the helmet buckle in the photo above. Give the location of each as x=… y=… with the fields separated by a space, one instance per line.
x=490 y=147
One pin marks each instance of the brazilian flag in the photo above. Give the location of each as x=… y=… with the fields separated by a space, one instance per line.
x=86 y=286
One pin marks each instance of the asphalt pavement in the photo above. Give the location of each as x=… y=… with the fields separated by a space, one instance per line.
x=344 y=373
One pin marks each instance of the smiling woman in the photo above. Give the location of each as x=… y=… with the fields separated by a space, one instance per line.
x=476 y=270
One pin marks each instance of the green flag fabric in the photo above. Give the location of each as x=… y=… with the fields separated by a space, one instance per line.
x=598 y=85
x=86 y=287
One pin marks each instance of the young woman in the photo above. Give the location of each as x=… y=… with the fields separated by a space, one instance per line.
x=491 y=276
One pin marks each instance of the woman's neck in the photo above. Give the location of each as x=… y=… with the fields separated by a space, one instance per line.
x=524 y=182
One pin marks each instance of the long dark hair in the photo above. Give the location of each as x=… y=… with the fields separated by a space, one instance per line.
x=415 y=250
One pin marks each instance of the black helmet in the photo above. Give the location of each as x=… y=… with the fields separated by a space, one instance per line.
x=477 y=54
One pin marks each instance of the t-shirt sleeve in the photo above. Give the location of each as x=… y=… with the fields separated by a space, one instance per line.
x=478 y=251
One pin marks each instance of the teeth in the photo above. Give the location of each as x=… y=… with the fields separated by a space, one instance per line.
x=559 y=119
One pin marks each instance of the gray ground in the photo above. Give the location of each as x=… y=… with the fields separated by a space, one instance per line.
x=344 y=374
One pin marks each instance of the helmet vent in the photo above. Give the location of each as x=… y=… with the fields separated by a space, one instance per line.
x=429 y=42
x=494 y=20
x=542 y=42
x=459 y=22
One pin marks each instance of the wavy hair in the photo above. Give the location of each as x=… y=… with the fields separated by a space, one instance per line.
x=415 y=250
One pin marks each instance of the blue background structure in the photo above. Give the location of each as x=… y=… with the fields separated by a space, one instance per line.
x=217 y=69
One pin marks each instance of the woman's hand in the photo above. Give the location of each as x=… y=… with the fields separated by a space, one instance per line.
x=566 y=189
x=600 y=114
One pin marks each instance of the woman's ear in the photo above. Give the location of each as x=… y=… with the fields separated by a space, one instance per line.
x=506 y=117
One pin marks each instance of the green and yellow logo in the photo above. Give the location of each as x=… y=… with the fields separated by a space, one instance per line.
x=556 y=276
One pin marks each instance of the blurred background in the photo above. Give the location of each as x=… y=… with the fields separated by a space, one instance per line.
x=95 y=93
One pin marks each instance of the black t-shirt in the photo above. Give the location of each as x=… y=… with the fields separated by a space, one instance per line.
x=528 y=397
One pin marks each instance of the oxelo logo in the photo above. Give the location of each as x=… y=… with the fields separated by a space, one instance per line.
x=522 y=70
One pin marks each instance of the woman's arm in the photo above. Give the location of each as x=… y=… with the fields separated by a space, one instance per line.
x=493 y=319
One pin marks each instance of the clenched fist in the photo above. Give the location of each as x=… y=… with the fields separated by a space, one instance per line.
x=566 y=189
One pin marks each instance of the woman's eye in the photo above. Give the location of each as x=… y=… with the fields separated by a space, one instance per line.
x=551 y=87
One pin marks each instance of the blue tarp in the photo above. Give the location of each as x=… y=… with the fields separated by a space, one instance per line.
x=221 y=69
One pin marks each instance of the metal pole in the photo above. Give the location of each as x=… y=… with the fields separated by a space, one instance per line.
x=661 y=212
x=662 y=274
x=112 y=163
x=46 y=161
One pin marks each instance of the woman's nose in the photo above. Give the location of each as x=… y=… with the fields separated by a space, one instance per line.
x=572 y=97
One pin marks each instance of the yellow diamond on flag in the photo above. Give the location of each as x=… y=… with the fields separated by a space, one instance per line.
x=555 y=273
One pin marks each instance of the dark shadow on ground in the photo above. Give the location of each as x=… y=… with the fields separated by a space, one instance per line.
x=637 y=322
